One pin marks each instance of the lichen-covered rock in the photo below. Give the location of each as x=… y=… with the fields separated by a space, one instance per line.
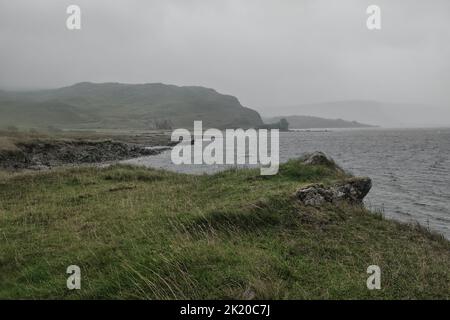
x=313 y=195
x=351 y=190
x=318 y=158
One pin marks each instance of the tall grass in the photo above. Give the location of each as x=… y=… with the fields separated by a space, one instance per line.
x=148 y=234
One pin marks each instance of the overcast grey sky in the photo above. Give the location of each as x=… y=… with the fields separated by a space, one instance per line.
x=268 y=53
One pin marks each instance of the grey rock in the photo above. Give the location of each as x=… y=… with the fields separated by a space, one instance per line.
x=318 y=158
x=352 y=190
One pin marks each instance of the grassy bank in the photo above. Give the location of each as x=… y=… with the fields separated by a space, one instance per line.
x=38 y=151
x=10 y=139
x=149 y=234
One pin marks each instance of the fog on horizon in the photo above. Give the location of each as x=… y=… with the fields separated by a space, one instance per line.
x=272 y=55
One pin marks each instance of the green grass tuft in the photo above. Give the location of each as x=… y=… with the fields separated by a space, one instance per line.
x=148 y=234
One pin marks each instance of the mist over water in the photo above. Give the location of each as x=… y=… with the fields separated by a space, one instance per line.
x=409 y=168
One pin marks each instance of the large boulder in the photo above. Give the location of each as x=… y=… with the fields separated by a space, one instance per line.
x=352 y=190
x=317 y=158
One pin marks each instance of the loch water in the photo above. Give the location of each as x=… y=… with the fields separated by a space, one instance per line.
x=410 y=168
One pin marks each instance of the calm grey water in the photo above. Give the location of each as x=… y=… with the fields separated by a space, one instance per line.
x=409 y=168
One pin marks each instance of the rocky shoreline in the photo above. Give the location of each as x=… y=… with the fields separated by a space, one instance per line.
x=38 y=155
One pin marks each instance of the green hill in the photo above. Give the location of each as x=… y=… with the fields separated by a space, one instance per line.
x=116 y=105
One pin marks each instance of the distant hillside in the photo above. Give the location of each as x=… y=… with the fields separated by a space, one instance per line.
x=352 y=110
x=374 y=112
x=116 y=105
x=308 y=122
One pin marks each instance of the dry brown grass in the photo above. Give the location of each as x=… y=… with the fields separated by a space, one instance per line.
x=7 y=144
x=8 y=139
